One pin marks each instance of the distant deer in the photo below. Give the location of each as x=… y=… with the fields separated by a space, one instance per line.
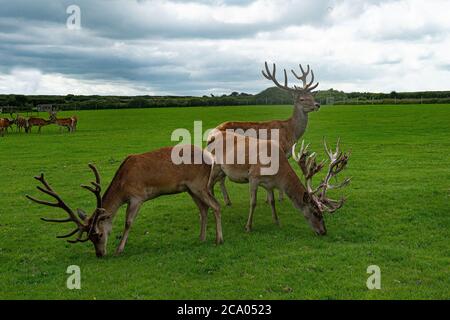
x=20 y=122
x=5 y=123
x=69 y=123
x=290 y=130
x=313 y=202
x=139 y=178
x=37 y=122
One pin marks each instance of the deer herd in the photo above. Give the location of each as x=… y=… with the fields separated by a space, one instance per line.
x=26 y=124
x=143 y=177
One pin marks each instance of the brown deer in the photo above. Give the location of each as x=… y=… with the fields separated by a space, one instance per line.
x=139 y=178
x=290 y=130
x=312 y=202
x=21 y=123
x=69 y=123
x=37 y=122
x=5 y=123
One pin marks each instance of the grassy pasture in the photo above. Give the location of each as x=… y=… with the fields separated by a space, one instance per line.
x=397 y=215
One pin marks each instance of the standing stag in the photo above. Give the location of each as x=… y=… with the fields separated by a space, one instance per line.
x=37 y=122
x=69 y=123
x=290 y=130
x=139 y=178
x=313 y=202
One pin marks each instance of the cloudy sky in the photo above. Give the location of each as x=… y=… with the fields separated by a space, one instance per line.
x=131 y=47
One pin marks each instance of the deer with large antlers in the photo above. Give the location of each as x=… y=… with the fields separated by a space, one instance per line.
x=290 y=130
x=139 y=178
x=313 y=202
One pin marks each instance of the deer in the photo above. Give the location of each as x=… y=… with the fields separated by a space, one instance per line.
x=290 y=130
x=139 y=178
x=20 y=122
x=37 y=122
x=69 y=123
x=5 y=123
x=312 y=202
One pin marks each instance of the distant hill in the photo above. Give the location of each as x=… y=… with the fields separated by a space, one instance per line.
x=276 y=95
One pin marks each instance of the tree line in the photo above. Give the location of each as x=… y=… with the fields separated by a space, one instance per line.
x=269 y=96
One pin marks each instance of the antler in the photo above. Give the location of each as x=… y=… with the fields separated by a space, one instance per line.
x=338 y=161
x=83 y=223
x=309 y=166
x=81 y=226
x=305 y=88
x=97 y=190
x=309 y=86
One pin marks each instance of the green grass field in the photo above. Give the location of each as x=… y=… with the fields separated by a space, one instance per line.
x=397 y=215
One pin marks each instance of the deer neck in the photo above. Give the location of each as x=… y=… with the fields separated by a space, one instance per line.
x=111 y=201
x=298 y=122
x=294 y=189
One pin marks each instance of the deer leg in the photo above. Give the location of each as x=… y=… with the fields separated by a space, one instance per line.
x=226 y=197
x=208 y=199
x=132 y=211
x=271 y=199
x=203 y=207
x=281 y=195
x=253 y=197
x=217 y=175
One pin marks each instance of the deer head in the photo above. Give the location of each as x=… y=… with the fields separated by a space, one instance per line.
x=96 y=227
x=303 y=96
x=316 y=201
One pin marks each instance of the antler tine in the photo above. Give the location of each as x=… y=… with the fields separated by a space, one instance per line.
x=303 y=71
x=338 y=162
x=306 y=86
x=308 y=164
x=98 y=189
x=303 y=76
x=332 y=205
x=96 y=173
x=296 y=157
x=272 y=76
x=59 y=202
x=312 y=79
x=69 y=234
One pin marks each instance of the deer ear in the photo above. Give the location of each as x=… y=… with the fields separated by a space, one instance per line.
x=81 y=214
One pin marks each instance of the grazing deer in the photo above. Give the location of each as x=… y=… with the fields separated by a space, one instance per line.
x=139 y=178
x=5 y=123
x=69 y=123
x=21 y=123
x=290 y=130
x=37 y=122
x=312 y=202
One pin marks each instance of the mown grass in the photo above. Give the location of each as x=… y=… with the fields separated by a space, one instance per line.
x=397 y=214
